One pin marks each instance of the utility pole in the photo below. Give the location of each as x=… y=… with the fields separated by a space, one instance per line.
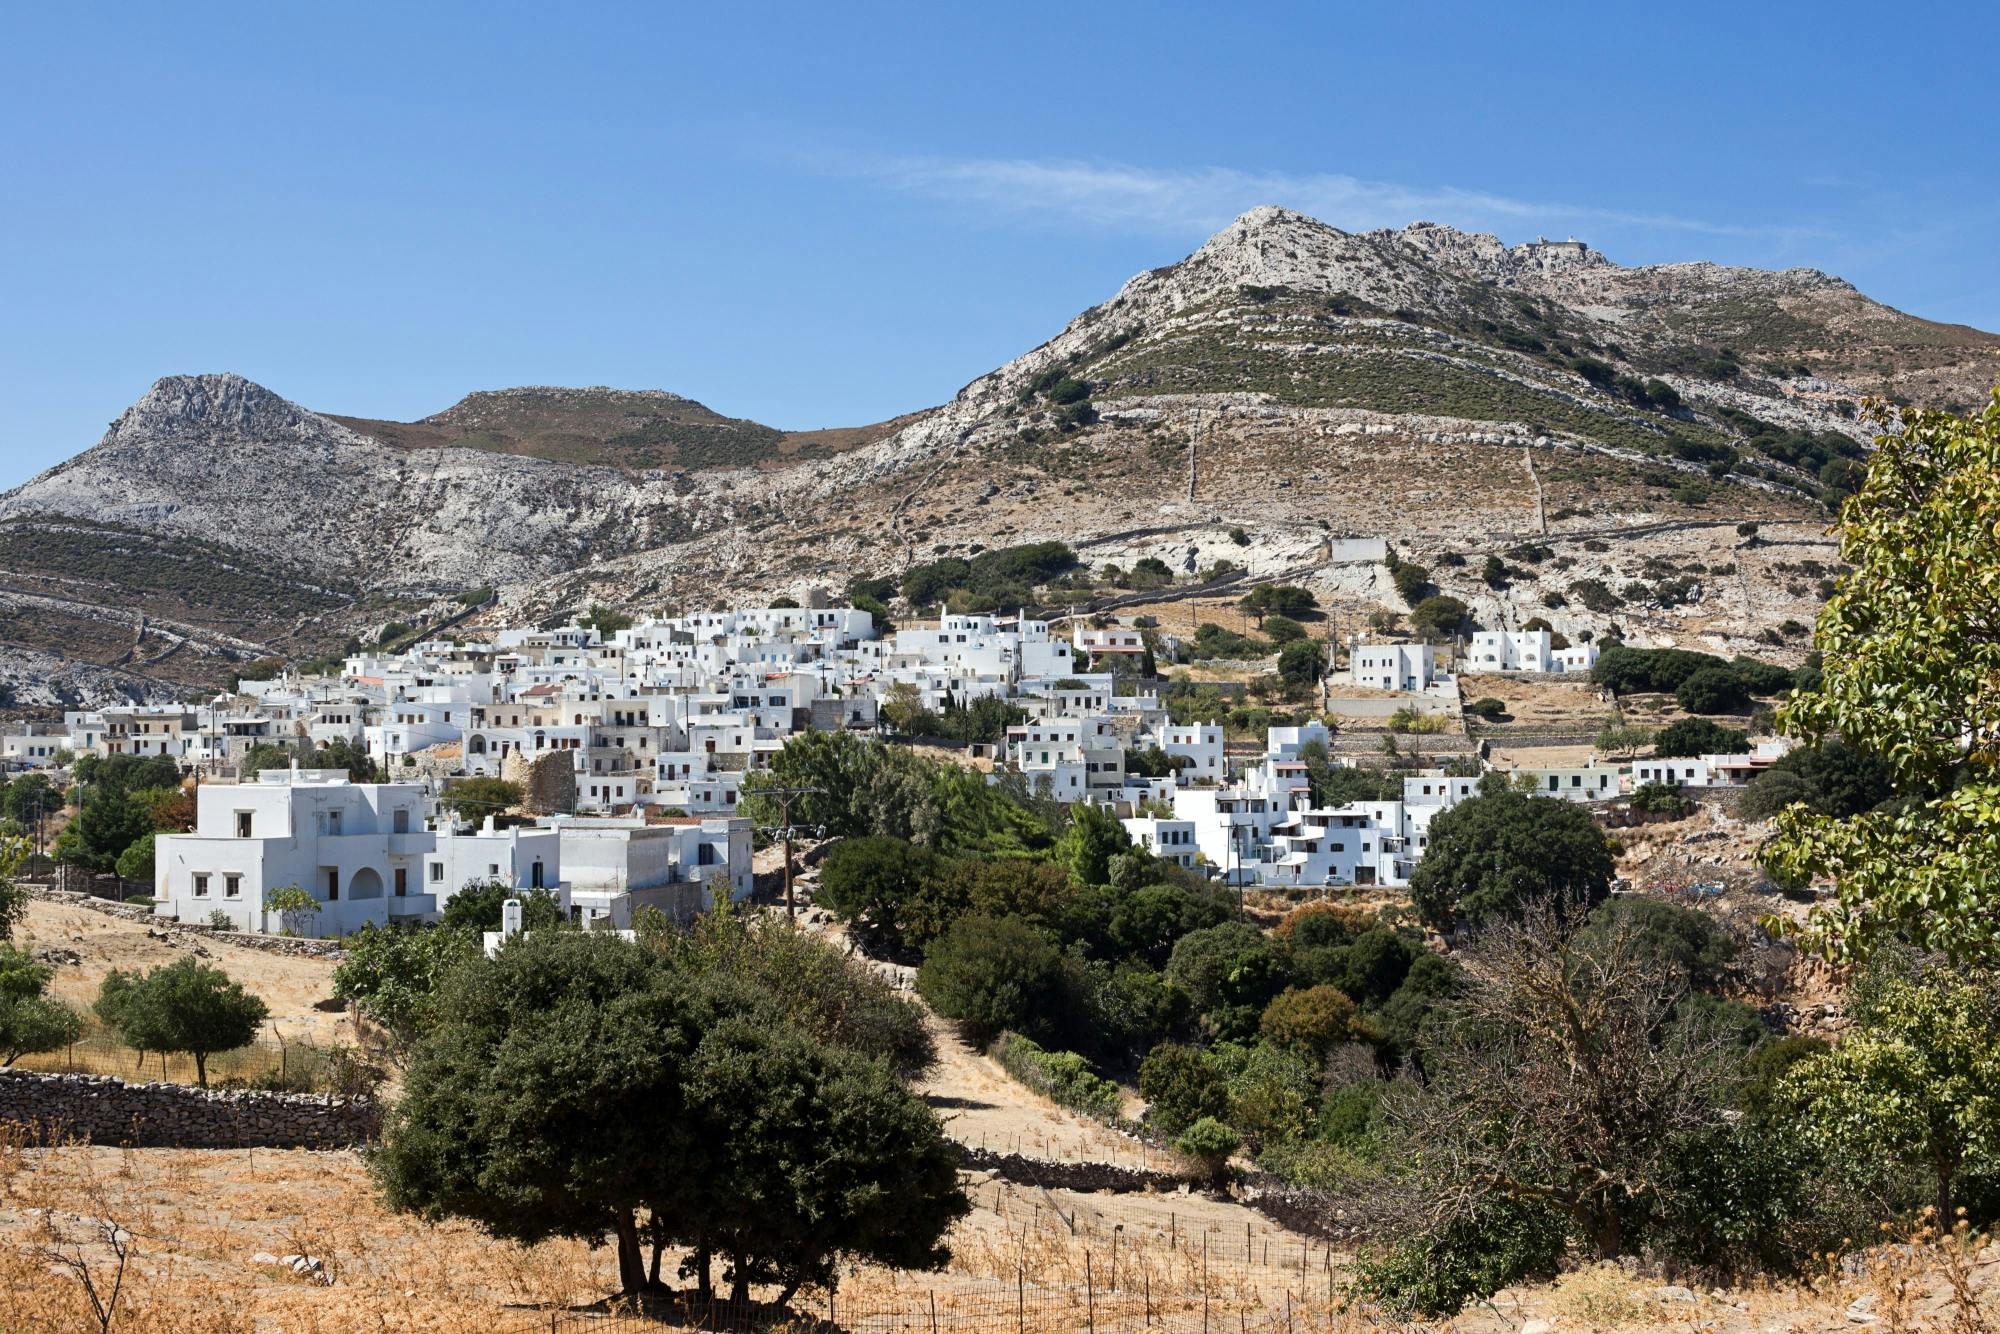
x=786 y=831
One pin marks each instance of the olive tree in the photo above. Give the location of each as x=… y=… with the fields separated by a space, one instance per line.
x=183 y=1006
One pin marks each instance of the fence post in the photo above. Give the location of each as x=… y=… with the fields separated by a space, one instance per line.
x=1204 y=1283
x=934 y=1328
x=1089 y=1295
x=1148 y=1274
x=1020 y=1297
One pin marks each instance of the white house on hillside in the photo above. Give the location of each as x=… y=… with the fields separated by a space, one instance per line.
x=357 y=848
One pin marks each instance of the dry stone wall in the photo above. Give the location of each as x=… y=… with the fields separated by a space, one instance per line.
x=103 y=1109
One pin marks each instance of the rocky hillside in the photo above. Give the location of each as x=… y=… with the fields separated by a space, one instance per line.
x=1440 y=389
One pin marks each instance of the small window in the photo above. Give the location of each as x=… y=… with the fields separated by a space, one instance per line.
x=201 y=886
x=243 y=824
x=332 y=885
x=401 y=820
x=402 y=881
x=437 y=872
x=232 y=886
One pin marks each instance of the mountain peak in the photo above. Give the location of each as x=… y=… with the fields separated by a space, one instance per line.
x=218 y=407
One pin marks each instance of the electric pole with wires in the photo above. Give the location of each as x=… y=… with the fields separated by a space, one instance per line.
x=786 y=831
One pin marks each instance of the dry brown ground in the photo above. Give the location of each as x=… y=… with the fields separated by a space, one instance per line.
x=289 y=984
x=1540 y=703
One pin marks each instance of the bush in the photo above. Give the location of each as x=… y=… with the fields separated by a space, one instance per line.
x=1309 y=1022
x=1230 y=973
x=1181 y=1086
x=878 y=883
x=1713 y=690
x=995 y=974
x=1209 y=1143
x=1660 y=799
x=1063 y=1076
x=1488 y=708
x=1438 y=616
x=1699 y=736
x=1501 y=849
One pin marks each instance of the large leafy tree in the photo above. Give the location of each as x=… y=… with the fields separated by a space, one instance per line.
x=581 y=1085
x=108 y=823
x=1916 y=1081
x=1490 y=854
x=182 y=1006
x=1911 y=645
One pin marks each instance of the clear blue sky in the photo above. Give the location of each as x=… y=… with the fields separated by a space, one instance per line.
x=827 y=214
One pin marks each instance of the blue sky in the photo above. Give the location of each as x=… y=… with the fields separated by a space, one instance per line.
x=828 y=214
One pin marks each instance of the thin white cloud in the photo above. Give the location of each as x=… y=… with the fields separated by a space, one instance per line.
x=1120 y=196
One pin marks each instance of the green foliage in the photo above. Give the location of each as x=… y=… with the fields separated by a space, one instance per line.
x=1438 y=617
x=1626 y=741
x=1282 y=630
x=1288 y=600
x=1713 y=690
x=1093 y=838
x=1494 y=852
x=478 y=906
x=29 y=796
x=1699 y=736
x=1309 y=1021
x=108 y=823
x=1908 y=675
x=1492 y=1244
x=293 y=905
x=393 y=975
x=1301 y=665
x=29 y=1020
x=1487 y=707
x=1832 y=778
x=870 y=880
x=1063 y=1076
x=1660 y=799
x=475 y=798
x=607 y=621
x=1642 y=670
x=1181 y=1085
x=1413 y=583
x=183 y=1006
x=1209 y=1143
x=136 y=862
x=579 y=1085
x=1684 y=942
x=1917 y=1081
x=990 y=975
x=1230 y=972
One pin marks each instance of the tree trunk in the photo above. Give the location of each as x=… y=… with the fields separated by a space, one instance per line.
x=201 y=1068
x=631 y=1263
x=704 y=1278
x=739 y=1279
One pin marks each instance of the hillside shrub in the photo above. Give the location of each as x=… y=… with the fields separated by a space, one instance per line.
x=1062 y=1076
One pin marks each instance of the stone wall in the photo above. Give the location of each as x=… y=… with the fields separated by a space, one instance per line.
x=1080 y=1176
x=103 y=1109
x=168 y=928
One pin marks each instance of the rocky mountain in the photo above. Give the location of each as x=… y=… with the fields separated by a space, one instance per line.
x=1440 y=389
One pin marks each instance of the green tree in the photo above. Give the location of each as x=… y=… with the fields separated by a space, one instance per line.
x=1093 y=838
x=994 y=974
x=294 y=906
x=476 y=797
x=1181 y=1085
x=1908 y=672
x=1209 y=1143
x=879 y=884
x=579 y=1085
x=393 y=976
x=1494 y=852
x=136 y=862
x=1917 y=1080
x=29 y=1020
x=1438 y=616
x=1625 y=741
x=183 y=1006
x=1230 y=973
x=478 y=906
x=29 y=797
x=1833 y=778
x=1282 y=630
x=108 y=823
x=1699 y=736
x=1308 y=1022
x=1301 y=664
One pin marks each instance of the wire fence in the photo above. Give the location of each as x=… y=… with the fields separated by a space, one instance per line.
x=267 y=1063
x=1066 y=1275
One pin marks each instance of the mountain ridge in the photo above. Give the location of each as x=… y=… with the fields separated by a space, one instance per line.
x=1282 y=376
